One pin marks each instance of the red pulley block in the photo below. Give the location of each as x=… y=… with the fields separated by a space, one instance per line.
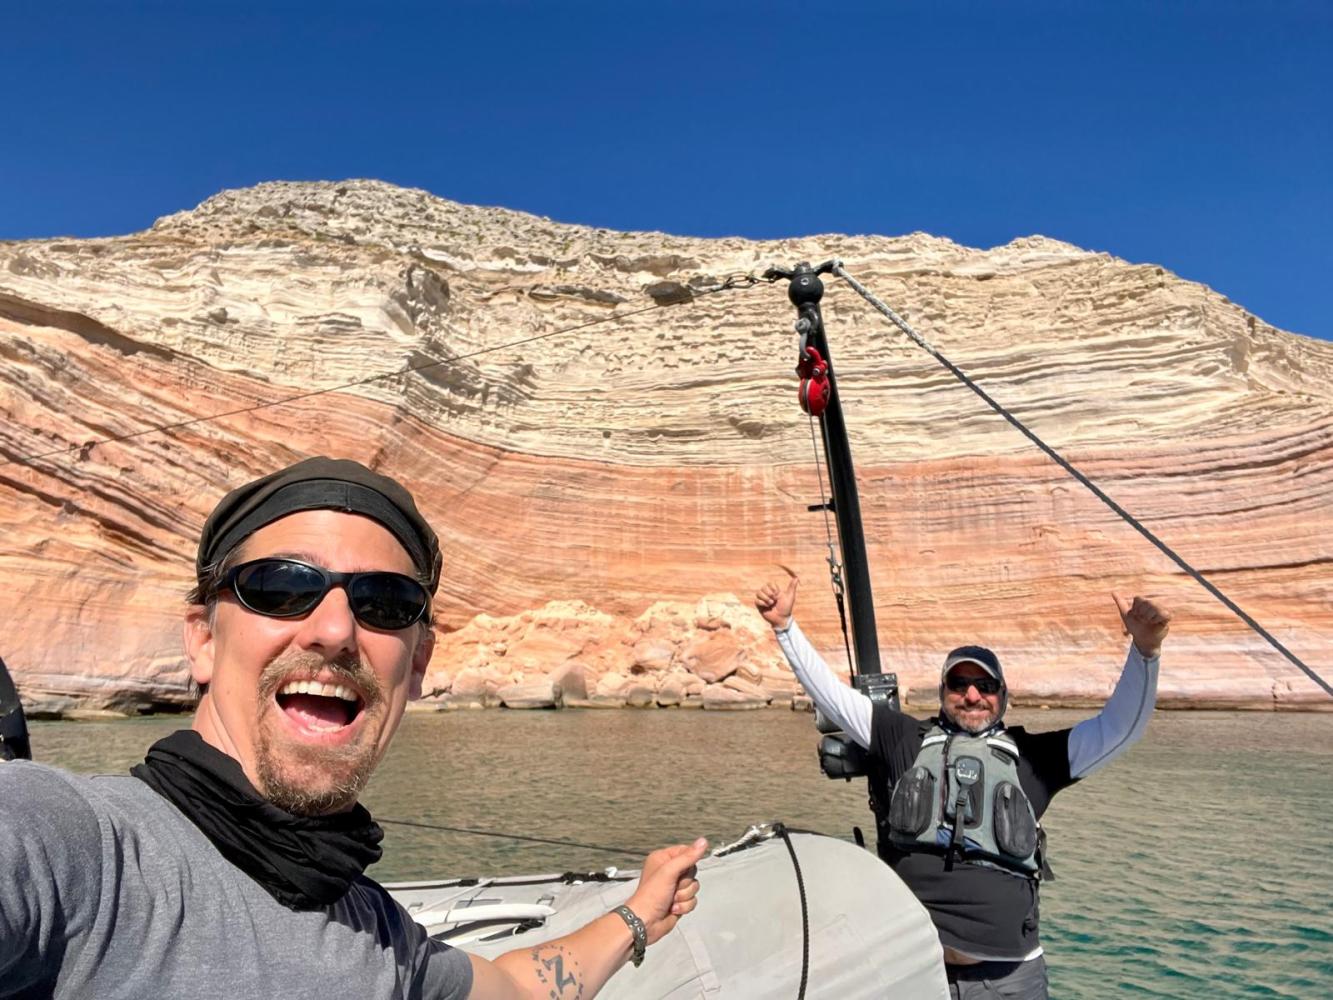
x=815 y=390
x=815 y=394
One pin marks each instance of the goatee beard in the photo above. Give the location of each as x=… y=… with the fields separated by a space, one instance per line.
x=301 y=799
x=309 y=780
x=957 y=719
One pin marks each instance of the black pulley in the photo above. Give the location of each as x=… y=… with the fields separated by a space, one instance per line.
x=805 y=287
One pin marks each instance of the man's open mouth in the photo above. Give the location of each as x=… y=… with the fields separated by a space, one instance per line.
x=318 y=706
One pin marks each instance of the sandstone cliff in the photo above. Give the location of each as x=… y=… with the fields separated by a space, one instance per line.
x=634 y=472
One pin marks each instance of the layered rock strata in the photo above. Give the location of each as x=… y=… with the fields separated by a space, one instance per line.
x=603 y=443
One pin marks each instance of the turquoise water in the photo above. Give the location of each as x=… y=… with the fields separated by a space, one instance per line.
x=1192 y=867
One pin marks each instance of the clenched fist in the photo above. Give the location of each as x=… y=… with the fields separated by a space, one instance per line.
x=1145 y=622
x=776 y=603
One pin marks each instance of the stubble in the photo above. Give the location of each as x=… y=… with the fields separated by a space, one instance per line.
x=308 y=780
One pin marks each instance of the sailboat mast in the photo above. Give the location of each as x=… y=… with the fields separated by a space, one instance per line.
x=805 y=291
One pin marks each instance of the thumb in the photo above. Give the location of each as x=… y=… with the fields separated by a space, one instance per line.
x=1122 y=606
x=792 y=584
x=683 y=857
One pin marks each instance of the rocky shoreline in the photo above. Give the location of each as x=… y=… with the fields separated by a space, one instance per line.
x=716 y=654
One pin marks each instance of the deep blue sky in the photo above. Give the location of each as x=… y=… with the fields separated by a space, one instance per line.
x=1198 y=136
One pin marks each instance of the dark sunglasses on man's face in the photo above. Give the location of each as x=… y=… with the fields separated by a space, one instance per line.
x=984 y=685
x=288 y=588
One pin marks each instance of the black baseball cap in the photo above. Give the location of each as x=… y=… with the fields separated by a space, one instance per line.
x=320 y=483
x=979 y=655
x=987 y=661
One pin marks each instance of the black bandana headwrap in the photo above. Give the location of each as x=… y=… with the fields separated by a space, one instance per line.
x=304 y=862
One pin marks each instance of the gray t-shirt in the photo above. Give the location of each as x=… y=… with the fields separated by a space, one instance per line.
x=108 y=891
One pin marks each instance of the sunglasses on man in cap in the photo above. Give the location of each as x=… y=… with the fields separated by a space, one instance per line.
x=978 y=656
x=984 y=685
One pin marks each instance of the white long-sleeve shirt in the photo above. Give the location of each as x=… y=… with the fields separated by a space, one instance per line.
x=1092 y=743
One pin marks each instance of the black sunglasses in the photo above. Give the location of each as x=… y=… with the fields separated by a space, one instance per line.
x=984 y=685
x=287 y=588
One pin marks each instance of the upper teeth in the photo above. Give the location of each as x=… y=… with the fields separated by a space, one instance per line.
x=315 y=687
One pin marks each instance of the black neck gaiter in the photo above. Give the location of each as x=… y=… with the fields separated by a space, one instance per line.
x=304 y=862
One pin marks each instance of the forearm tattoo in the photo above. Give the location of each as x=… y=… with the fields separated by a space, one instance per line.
x=559 y=972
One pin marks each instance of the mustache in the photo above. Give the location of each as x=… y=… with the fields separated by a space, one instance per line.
x=345 y=667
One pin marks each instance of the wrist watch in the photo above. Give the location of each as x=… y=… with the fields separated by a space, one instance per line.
x=638 y=930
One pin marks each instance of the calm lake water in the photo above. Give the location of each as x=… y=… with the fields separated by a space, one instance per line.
x=1196 y=866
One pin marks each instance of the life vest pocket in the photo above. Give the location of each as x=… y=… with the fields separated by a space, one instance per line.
x=1015 y=825
x=913 y=803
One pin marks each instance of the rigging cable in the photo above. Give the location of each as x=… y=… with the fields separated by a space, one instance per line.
x=627 y=851
x=729 y=283
x=1129 y=518
x=781 y=831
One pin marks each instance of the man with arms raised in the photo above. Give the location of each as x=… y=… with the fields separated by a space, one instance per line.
x=957 y=797
x=230 y=864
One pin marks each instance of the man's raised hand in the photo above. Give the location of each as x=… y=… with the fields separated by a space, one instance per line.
x=1145 y=622
x=776 y=603
x=668 y=888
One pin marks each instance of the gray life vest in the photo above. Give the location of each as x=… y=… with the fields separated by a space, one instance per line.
x=962 y=799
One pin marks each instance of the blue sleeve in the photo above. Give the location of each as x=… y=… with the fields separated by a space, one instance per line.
x=50 y=873
x=1121 y=722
